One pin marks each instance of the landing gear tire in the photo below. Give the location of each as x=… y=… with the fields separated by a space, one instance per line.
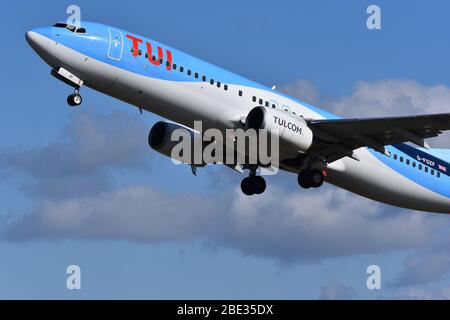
x=253 y=185
x=316 y=178
x=304 y=180
x=248 y=187
x=311 y=179
x=74 y=100
x=260 y=184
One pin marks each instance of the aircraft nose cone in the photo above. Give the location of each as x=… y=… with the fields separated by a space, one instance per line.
x=39 y=40
x=31 y=37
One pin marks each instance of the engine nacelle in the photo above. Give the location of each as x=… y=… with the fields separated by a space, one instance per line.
x=293 y=132
x=160 y=140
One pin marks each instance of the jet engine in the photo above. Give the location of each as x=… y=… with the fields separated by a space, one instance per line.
x=292 y=130
x=162 y=134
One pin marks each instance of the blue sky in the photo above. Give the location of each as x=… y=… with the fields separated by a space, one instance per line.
x=171 y=235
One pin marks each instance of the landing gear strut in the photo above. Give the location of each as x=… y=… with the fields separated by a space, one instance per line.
x=75 y=99
x=253 y=184
x=311 y=178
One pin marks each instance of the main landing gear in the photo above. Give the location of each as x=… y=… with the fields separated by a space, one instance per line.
x=253 y=184
x=311 y=178
x=74 y=100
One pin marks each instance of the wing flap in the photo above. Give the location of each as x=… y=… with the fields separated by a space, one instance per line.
x=336 y=138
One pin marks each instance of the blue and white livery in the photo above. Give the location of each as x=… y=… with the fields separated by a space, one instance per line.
x=371 y=157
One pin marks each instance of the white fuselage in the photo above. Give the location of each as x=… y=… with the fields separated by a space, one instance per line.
x=186 y=102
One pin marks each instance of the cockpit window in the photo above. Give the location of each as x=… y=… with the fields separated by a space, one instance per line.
x=70 y=27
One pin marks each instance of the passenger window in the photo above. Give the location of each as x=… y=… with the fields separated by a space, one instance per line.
x=204 y=78
x=432 y=172
x=438 y=174
x=60 y=25
x=218 y=84
x=395 y=156
x=161 y=61
x=260 y=102
x=211 y=81
x=267 y=103
x=196 y=75
x=167 y=63
x=414 y=165
x=286 y=108
x=140 y=52
x=274 y=104
x=174 y=66
x=420 y=167
x=181 y=69
x=225 y=87
x=240 y=93
x=189 y=72
x=71 y=28
x=401 y=159
x=407 y=161
x=426 y=169
x=254 y=99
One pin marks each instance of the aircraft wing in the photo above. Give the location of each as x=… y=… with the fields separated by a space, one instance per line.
x=338 y=138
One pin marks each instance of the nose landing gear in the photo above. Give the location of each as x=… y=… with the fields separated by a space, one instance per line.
x=75 y=99
x=72 y=80
x=253 y=184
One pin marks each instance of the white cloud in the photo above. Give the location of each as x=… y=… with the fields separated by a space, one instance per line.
x=77 y=163
x=337 y=291
x=423 y=268
x=422 y=294
x=304 y=90
x=386 y=98
x=392 y=98
x=286 y=226
x=77 y=199
x=382 y=98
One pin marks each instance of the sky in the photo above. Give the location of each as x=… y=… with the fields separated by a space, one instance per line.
x=80 y=186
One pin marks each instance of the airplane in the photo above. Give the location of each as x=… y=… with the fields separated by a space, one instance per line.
x=372 y=157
